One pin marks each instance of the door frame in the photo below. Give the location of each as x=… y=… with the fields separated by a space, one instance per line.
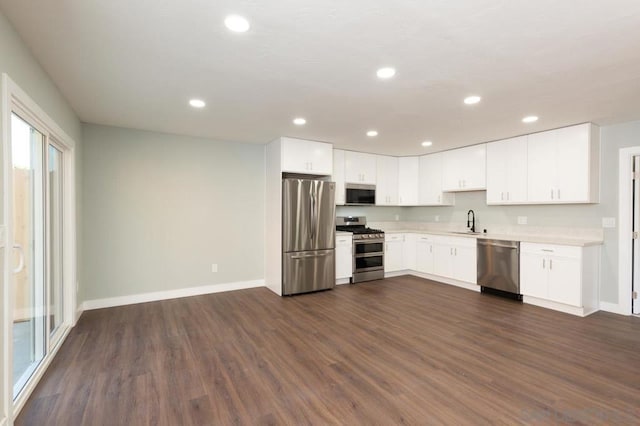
x=15 y=99
x=625 y=220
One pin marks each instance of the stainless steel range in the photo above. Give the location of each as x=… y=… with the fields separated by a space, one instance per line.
x=368 y=248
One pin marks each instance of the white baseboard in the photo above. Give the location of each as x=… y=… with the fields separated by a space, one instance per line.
x=613 y=308
x=444 y=280
x=169 y=294
x=341 y=281
x=79 y=311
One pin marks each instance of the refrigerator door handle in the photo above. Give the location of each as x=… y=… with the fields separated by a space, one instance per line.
x=311 y=213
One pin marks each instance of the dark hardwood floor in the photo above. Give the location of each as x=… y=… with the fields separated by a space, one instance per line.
x=398 y=351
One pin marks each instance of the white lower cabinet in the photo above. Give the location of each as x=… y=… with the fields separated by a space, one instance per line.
x=393 y=252
x=424 y=254
x=409 y=251
x=558 y=274
x=455 y=257
x=344 y=256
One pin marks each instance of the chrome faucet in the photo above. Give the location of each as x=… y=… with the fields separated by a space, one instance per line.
x=471 y=220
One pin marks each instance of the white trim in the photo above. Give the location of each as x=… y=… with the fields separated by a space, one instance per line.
x=445 y=280
x=15 y=99
x=561 y=307
x=35 y=379
x=614 y=308
x=340 y=281
x=169 y=294
x=625 y=229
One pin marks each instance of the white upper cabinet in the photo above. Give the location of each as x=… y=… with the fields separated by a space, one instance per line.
x=563 y=165
x=464 y=169
x=387 y=180
x=338 y=176
x=408 y=181
x=507 y=171
x=309 y=157
x=430 y=182
x=359 y=167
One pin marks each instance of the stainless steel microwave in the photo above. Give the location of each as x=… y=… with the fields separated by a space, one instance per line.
x=359 y=194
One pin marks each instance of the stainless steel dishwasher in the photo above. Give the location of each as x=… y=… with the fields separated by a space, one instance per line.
x=499 y=267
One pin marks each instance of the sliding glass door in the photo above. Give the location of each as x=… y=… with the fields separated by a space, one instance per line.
x=38 y=301
x=27 y=145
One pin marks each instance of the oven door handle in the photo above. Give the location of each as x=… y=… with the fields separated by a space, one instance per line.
x=378 y=254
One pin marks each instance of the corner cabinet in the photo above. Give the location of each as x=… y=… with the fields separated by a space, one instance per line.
x=507 y=171
x=464 y=169
x=408 y=176
x=563 y=165
x=560 y=277
x=308 y=157
x=430 y=182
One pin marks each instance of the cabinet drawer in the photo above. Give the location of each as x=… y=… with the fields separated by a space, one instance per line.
x=393 y=237
x=344 y=241
x=551 y=250
x=462 y=241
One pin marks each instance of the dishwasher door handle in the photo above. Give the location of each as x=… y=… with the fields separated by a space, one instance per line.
x=497 y=245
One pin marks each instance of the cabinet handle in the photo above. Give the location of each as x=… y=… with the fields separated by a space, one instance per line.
x=543 y=263
x=464 y=183
x=547 y=250
x=430 y=249
x=507 y=195
x=550 y=263
x=552 y=193
x=438 y=198
x=502 y=196
x=450 y=251
x=558 y=194
x=455 y=251
x=311 y=166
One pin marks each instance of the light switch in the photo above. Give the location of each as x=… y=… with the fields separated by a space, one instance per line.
x=522 y=220
x=608 y=222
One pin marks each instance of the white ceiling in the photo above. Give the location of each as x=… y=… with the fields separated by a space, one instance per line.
x=136 y=63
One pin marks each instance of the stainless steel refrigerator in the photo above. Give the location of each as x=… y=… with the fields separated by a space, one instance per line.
x=308 y=236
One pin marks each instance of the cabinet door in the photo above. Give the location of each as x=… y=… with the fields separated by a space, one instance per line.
x=424 y=255
x=409 y=252
x=507 y=171
x=451 y=180
x=338 y=175
x=572 y=176
x=474 y=172
x=360 y=167
x=302 y=156
x=344 y=257
x=533 y=275
x=430 y=182
x=408 y=181
x=565 y=280
x=516 y=170
x=387 y=180
x=541 y=166
x=497 y=170
x=465 y=264
x=393 y=254
x=443 y=260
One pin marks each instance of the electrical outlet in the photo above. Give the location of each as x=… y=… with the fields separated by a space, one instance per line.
x=437 y=218
x=214 y=267
x=397 y=217
x=608 y=222
x=522 y=220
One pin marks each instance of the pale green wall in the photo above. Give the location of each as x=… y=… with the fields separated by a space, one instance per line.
x=160 y=209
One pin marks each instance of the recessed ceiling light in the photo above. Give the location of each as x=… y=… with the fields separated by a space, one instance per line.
x=427 y=143
x=197 y=103
x=530 y=119
x=386 y=72
x=372 y=133
x=299 y=121
x=237 y=23
x=470 y=100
